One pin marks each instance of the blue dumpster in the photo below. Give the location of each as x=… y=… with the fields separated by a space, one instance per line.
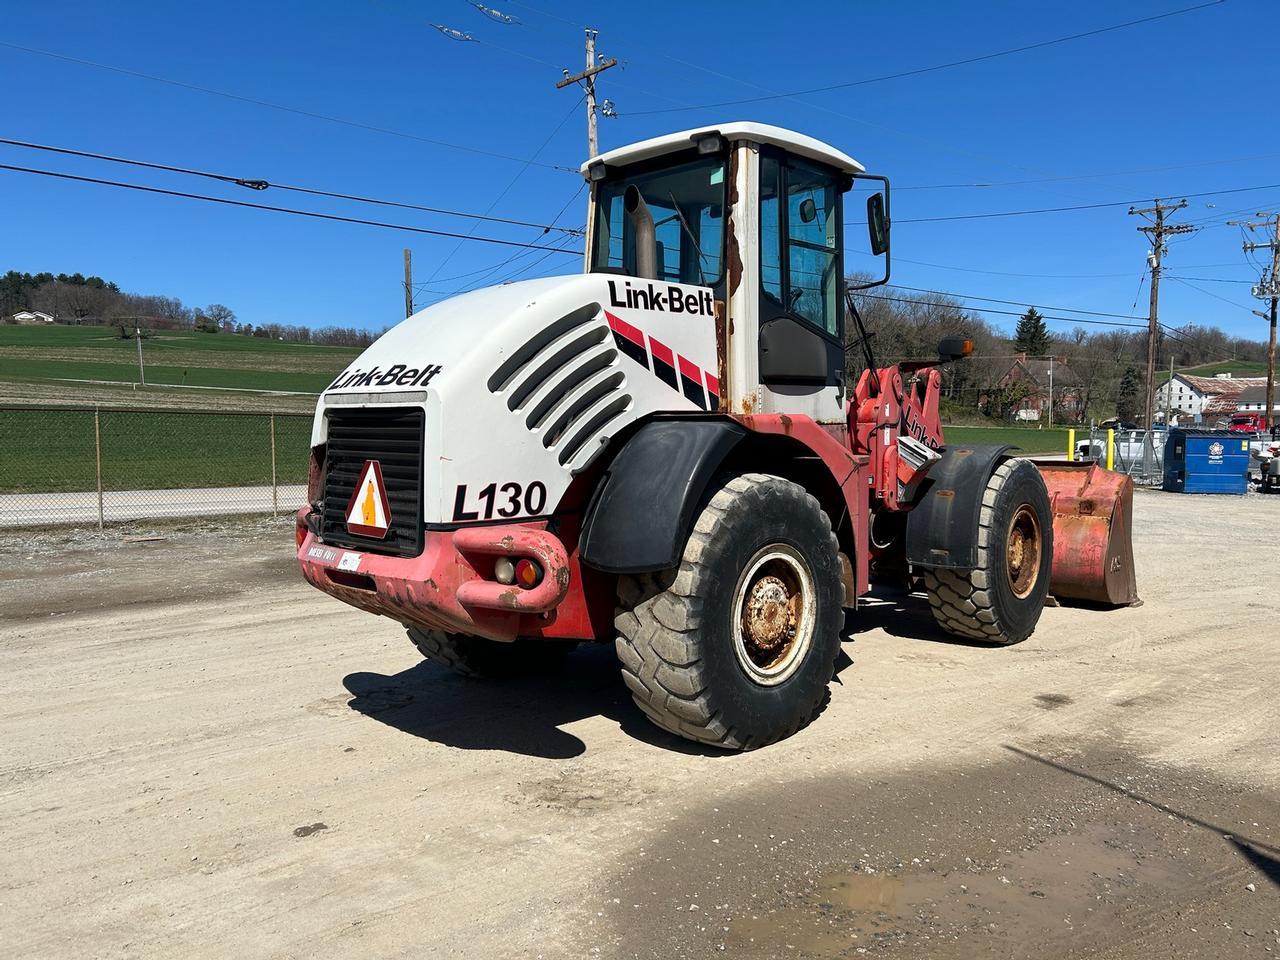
x=1206 y=461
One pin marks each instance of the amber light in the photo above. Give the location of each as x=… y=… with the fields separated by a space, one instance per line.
x=967 y=348
x=528 y=573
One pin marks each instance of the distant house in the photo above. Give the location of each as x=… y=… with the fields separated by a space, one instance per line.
x=1254 y=399
x=31 y=317
x=1035 y=375
x=1205 y=398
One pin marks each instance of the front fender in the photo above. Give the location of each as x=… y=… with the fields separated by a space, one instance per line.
x=644 y=504
x=942 y=528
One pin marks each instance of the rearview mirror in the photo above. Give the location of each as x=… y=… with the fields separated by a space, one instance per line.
x=877 y=226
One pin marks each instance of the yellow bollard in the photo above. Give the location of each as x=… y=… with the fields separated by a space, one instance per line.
x=1071 y=443
x=1111 y=449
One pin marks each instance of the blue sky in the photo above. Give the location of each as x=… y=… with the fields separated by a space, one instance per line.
x=1185 y=100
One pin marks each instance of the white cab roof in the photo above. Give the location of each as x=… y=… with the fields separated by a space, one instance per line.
x=797 y=143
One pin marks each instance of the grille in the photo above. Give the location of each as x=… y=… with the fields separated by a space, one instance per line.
x=393 y=437
x=565 y=385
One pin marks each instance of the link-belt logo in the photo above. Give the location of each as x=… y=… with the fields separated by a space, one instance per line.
x=399 y=375
x=671 y=298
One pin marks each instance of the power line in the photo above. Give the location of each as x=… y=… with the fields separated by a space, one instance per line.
x=300 y=213
x=1207 y=293
x=935 y=67
x=1084 y=176
x=507 y=188
x=258 y=184
x=1017 y=303
x=1080 y=206
x=1002 y=273
x=1206 y=279
x=1006 y=313
x=360 y=125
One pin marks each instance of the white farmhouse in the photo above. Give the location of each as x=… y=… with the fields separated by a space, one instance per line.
x=32 y=316
x=1204 y=398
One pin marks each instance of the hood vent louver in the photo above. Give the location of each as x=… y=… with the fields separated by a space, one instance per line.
x=565 y=384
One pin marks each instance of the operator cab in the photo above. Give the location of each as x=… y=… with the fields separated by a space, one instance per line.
x=755 y=213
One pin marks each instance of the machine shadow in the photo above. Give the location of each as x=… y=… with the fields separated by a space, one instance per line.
x=905 y=615
x=524 y=716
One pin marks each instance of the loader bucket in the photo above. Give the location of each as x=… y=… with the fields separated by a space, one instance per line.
x=1092 y=533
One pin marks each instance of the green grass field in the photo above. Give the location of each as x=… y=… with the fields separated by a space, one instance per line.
x=171 y=357
x=51 y=450
x=1028 y=439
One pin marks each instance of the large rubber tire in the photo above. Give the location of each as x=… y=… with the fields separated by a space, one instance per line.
x=681 y=633
x=1000 y=600
x=478 y=657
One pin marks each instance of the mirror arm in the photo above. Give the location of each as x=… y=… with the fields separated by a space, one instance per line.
x=864 y=340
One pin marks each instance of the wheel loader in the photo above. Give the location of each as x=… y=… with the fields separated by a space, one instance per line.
x=663 y=453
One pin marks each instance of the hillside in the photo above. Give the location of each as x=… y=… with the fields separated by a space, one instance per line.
x=1237 y=368
x=86 y=361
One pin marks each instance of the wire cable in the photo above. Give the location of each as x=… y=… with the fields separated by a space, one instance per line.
x=258 y=184
x=274 y=209
x=1080 y=206
x=360 y=125
x=935 y=67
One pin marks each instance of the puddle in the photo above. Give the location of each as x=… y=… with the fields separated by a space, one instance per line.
x=1066 y=887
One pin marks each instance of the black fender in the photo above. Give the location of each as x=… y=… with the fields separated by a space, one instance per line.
x=644 y=505
x=942 y=528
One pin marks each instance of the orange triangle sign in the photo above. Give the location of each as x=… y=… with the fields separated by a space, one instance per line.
x=368 y=513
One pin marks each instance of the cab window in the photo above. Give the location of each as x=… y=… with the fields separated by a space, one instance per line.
x=800 y=241
x=687 y=205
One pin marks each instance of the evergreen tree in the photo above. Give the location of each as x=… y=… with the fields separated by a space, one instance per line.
x=1127 y=395
x=1032 y=336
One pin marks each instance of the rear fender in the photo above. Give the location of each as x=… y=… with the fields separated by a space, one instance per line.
x=942 y=528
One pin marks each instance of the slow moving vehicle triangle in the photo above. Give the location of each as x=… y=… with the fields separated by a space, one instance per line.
x=368 y=513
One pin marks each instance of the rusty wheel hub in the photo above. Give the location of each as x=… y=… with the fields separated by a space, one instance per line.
x=769 y=617
x=774 y=613
x=1022 y=551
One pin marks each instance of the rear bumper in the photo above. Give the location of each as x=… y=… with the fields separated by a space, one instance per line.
x=450 y=586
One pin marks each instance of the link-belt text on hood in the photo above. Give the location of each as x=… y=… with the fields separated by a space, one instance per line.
x=398 y=374
x=670 y=298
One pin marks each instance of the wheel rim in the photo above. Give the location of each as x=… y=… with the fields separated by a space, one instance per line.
x=773 y=614
x=1022 y=551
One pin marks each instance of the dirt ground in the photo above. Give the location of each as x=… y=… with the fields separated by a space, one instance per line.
x=203 y=757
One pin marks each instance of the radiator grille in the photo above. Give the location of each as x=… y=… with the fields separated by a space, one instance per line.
x=393 y=437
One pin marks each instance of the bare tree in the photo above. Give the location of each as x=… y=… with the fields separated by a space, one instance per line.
x=222 y=315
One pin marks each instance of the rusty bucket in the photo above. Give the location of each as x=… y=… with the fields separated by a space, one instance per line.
x=1092 y=532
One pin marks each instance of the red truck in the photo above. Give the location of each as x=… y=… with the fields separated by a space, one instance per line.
x=1249 y=423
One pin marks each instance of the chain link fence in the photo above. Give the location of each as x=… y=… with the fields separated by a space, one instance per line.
x=61 y=465
x=1132 y=451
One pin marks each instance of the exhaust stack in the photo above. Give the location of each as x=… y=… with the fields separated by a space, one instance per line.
x=646 y=236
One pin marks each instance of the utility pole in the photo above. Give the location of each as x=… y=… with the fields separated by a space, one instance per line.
x=408 y=283
x=1157 y=229
x=1051 y=391
x=587 y=79
x=1268 y=288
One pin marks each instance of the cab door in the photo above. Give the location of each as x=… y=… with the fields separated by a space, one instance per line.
x=801 y=286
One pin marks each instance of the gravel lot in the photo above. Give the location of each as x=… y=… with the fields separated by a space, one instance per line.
x=205 y=758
